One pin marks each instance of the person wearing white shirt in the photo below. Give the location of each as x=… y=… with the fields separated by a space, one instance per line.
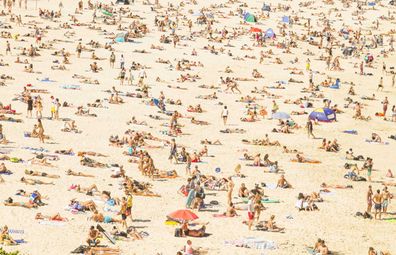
x=224 y=115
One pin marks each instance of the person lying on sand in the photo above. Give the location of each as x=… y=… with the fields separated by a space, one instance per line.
x=199 y=122
x=301 y=159
x=214 y=142
x=43 y=174
x=40 y=162
x=90 y=153
x=287 y=150
x=71 y=172
x=10 y=202
x=65 y=152
x=30 y=181
x=98 y=217
x=56 y=217
x=327 y=186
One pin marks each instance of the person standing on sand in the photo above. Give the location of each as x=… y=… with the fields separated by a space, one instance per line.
x=188 y=166
x=377 y=199
x=309 y=127
x=386 y=196
x=173 y=151
x=29 y=107
x=129 y=204
x=79 y=49
x=53 y=107
x=40 y=130
x=394 y=113
x=361 y=68
x=385 y=104
x=230 y=190
x=123 y=212
x=369 y=199
x=8 y=48
x=308 y=65
x=57 y=107
x=381 y=84
x=224 y=115
x=122 y=61
x=250 y=206
x=39 y=107
x=112 y=59
x=369 y=165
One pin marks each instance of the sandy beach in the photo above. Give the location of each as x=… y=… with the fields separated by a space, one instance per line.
x=278 y=67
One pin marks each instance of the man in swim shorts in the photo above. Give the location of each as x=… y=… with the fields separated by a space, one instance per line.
x=378 y=200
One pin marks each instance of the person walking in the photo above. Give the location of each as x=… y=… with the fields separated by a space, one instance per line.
x=173 y=151
x=29 y=107
x=224 y=115
x=309 y=127
x=122 y=61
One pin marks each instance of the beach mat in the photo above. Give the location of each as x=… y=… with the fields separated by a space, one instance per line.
x=52 y=223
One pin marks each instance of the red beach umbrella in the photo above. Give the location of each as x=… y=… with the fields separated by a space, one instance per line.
x=183 y=215
x=255 y=30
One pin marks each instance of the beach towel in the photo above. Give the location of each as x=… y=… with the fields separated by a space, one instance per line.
x=352 y=132
x=371 y=141
x=35 y=149
x=5 y=151
x=15 y=231
x=253 y=243
x=171 y=223
x=264 y=201
x=70 y=86
x=46 y=79
x=271 y=185
x=52 y=223
x=311 y=251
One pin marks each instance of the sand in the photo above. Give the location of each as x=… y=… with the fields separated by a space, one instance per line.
x=334 y=222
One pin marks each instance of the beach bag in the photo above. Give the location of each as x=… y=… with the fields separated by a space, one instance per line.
x=178 y=232
x=14 y=160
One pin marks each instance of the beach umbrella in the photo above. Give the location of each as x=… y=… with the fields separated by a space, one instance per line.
x=285 y=19
x=255 y=30
x=183 y=215
x=281 y=116
x=249 y=17
x=270 y=33
x=323 y=115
